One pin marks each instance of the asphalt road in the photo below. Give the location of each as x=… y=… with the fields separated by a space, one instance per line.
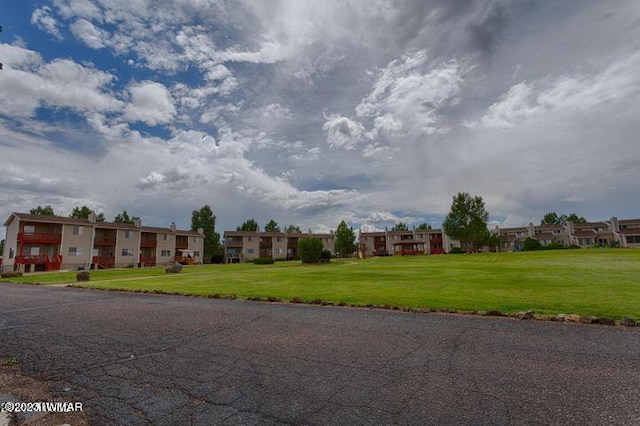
x=151 y=359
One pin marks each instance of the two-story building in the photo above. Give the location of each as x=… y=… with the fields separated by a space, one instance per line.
x=43 y=243
x=245 y=246
x=409 y=242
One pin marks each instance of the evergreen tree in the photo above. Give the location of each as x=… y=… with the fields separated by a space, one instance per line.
x=344 y=240
x=467 y=220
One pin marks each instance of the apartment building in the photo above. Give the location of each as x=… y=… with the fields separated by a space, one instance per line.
x=410 y=242
x=611 y=233
x=44 y=243
x=245 y=246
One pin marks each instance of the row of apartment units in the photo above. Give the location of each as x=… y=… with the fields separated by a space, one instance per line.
x=613 y=232
x=245 y=246
x=43 y=243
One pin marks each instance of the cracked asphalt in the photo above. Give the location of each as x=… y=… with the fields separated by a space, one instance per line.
x=141 y=359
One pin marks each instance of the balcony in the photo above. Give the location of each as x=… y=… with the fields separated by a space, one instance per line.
x=182 y=243
x=148 y=243
x=39 y=238
x=104 y=241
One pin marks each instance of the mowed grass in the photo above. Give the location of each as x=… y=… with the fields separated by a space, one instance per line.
x=599 y=282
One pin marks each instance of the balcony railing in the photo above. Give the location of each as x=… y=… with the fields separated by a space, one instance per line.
x=148 y=260
x=182 y=244
x=40 y=237
x=104 y=241
x=148 y=243
x=51 y=264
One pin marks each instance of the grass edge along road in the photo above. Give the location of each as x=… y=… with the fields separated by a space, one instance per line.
x=598 y=282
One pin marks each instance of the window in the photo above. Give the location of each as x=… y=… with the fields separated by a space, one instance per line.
x=78 y=230
x=278 y=239
x=75 y=251
x=34 y=251
x=196 y=240
x=633 y=239
x=127 y=252
x=249 y=238
x=128 y=234
x=29 y=229
x=12 y=253
x=165 y=253
x=250 y=251
x=196 y=254
x=165 y=237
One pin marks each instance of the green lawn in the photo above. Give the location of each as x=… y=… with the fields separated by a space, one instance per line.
x=599 y=282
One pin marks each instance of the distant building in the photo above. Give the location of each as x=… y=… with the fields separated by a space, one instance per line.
x=245 y=246
x=611 y=233
x=44 y=243
x=394 y=243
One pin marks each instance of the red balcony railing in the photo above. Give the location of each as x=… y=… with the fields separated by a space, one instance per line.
x=148 y=243
x=103 y=262
x=182 y=244
x=148 y=260
x=50 y=264
x=104 y=241
x=39 y=237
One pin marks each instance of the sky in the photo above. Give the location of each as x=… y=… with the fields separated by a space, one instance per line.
x=312 y=112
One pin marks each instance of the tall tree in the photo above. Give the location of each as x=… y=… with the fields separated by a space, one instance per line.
x=205 y=219
x=44 y=211
x=125 y=218
x=248 y=225
x=423 y=227
x=344 y=240
x=551 y=218
x=576 y=219
x=84 y=212
x=272 y=226
x=400 y=226
x=292 y=229
x=467 y=220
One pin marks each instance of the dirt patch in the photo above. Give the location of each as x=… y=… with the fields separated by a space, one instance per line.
x=16 y=387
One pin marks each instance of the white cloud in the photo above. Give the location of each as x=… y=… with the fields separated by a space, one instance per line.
x=42 y=19
x=151 y=103
x=91 y=35
x=343 y=132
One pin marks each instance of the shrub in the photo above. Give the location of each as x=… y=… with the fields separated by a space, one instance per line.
x=325 y=256
x=263 y=261
x=456 y=250
x=531 y=244
x=310 y=250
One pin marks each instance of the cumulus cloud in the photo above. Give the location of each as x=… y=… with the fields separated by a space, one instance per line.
x=343 y=132
x=151 y=103
x=91 y=35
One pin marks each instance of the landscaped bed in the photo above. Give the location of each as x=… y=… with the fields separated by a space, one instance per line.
x=590 y=282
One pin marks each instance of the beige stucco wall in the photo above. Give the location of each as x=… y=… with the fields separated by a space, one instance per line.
x=10 y=242
x=82 y=241
x=132 y=243
x=168 y=244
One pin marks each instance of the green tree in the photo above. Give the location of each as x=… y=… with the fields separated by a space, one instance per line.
x=124 y=218
x=344 y=240
x=310 y=250
x=467 y=220
x=292 y=229
x=551 y=218
x=423 y=227
x=493 y=240
x=205 y=219
x=400 y=226
x=1 y=247
x=272 y=226
x=84 y=212
x=248 y=225
x=43 y=211
x=576 y=219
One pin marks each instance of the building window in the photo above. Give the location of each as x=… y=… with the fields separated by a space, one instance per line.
x=250 y=251
x=165 y=253
x=75 y=251
x=34 y=251
x=12 y=252
x=128 y=234
x=196 y=254
x=127 y=252
x=278 y=239
x=249 y=238
x=633 y=239
x=29 y=229
x=165 y=237
x=78 y=230
x=196 y=240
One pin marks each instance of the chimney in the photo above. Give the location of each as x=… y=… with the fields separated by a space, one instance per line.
x=173 y=227
x=137 y=223
x=200 y=231
x=614 y=226
x=92 y=217
x=532 y=231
